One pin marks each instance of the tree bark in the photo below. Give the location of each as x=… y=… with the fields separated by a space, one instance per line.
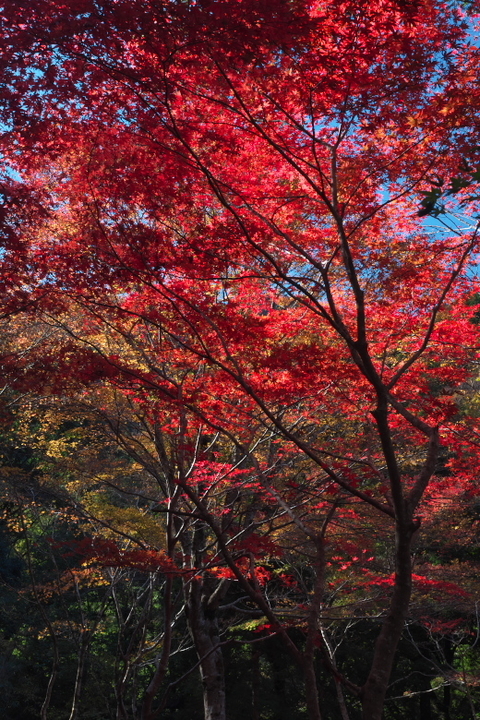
x=202 y=605
x=147 y=712
x=375 y=688
x=80 y=675
x=311 y=688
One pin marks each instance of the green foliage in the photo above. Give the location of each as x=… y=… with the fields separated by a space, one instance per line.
x=431 y=203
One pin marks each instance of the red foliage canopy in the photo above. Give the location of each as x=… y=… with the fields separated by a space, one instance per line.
x=233 y=191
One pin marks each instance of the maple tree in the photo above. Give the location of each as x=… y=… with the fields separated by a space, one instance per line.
x=238 y=191
x=79 y=458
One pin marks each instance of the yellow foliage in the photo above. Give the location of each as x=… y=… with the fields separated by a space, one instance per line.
x=131 y=520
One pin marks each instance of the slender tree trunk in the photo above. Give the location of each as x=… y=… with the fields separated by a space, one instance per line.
x=56 y=657
x=375 y=688
x=311 y=691
x=147 y=712
x=338 y=685
x=203 y=625
x=313 y=633
x=80 y=675
x=121 y=710
x=53 y=673
x=449 y=651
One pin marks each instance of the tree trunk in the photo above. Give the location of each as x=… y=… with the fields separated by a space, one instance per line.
x=147 y=712
x=202 y=605
x=311 y=691
x=425 y=706
x=375 y=688
x=313 y=633
x=449 y=652
x=80 y=675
